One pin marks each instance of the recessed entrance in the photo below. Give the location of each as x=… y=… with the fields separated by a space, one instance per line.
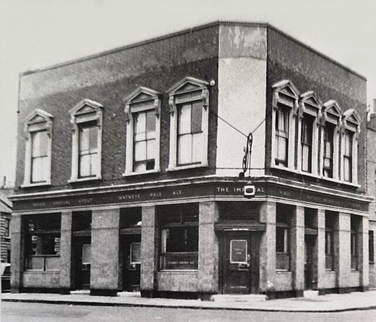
x=236 y=263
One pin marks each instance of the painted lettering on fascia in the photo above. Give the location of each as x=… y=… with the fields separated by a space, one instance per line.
x=130 y=197
x=155 y=194
x=176 y=192
x=39 y=204
x=85 y=201
x=61 y=203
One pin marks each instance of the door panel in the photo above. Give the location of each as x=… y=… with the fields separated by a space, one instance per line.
x=131 y=262
x=82 y=262
x=237 y=264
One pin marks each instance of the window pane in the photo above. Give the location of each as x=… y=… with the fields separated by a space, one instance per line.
x=281 y=149
x=139 y=123
x=185 y=149
x=306 y=158
x=184 y=122
x=150 y=121
x=93 y=138
x=238 y=251
x=196 y=147
x=140 y=151
x=196 y=117
x=85 y=162
x=150 y=149
x=135 y=253
x=84 y=139
x=86 y=254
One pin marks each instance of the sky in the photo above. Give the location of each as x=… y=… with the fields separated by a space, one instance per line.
x=36 y=33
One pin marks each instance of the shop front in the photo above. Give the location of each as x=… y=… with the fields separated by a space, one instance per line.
x=191 y=240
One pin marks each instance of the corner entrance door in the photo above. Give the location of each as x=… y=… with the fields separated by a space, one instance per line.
x=236 y=264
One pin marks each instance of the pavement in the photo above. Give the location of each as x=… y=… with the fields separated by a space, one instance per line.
x=311 y=302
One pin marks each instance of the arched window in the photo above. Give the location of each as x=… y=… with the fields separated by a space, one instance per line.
x=86 y=120
x=38 y=131
x=189 y=124
x=142 y=110
x=285 y=104
x=308 y=133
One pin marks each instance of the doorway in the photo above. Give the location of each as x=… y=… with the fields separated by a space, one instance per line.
x=310 y=279
x=131 y=249
x=236 y=263
x=82 y=261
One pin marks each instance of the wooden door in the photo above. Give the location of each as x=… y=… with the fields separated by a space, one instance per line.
x=236 y=257
x=82 y=249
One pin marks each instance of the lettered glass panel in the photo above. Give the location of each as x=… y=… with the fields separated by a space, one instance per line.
x=238 y=251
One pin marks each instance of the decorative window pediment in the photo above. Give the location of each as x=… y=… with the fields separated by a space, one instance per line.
x=286 y=93
x=331 y=112
x=189 y=119
x=86 y=120
x=310 y=104
x=142 y=111
x=38 y=133
x=351 y=121
x=188 y=89
x=141 y=99
x=85 y=111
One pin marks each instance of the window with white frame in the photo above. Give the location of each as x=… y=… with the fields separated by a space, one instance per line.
x=330 y=139
x=143 y=131
x=282 y=135
x=347 y=156
x=88 y=150
x=285 y=104
x=38 y=130
x=189 y=110
x=189 y=133
x=349 y=146
x=86 y=120
x=308 y=140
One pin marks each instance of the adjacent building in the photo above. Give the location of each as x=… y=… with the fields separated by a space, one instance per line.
x=5 y=218
x=128 y=169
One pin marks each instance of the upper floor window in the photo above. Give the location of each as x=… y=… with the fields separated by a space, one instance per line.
x=86 y=119
x=328 y=152
x=189 y=133
x=347 y=156
x=38 y=130
x=307 y=128
x=349 y=146
x=285 y=104
x=330 y=125
x=143 y=131
x=189 y=102
x=282 y=135
x=308 y=141
x=88 y=150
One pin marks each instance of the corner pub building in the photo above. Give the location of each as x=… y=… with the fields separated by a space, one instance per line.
x=128 y=169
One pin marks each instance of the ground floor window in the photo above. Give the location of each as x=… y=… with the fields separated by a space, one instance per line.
x=179 y=237
x=283 y=237
x=371 y=247
x=330 y=219
x=354 y=242
x=42 y=242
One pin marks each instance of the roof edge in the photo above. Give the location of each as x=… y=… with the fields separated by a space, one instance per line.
x=185 y=31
